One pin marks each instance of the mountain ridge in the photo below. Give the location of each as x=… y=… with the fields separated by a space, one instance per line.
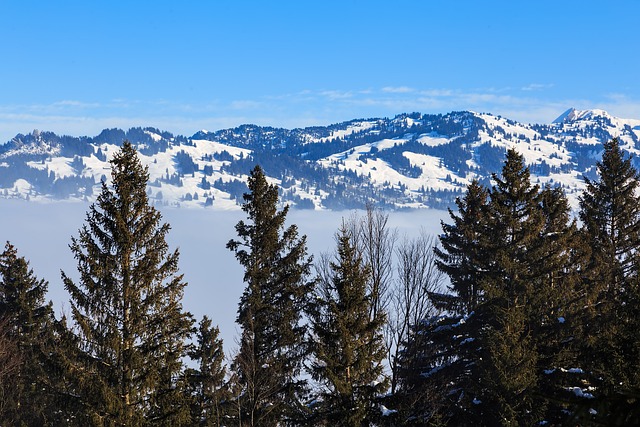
x=412 y=160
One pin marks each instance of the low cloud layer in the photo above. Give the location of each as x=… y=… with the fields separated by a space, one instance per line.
x=42 y=233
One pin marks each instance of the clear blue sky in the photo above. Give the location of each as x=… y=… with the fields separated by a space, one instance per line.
x=76 y=67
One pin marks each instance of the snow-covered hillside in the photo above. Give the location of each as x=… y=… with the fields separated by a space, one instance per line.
x=411 y=161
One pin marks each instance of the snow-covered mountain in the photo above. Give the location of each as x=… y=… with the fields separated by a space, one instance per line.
x=410 y=161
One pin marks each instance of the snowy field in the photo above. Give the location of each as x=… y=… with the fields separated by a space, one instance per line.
x=42 y=232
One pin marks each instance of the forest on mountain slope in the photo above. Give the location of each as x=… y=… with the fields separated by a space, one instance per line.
x=406 y=162
x=539 y=324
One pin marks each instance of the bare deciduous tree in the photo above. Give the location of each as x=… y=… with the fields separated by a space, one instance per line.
x=417 y=275
x=375 y=240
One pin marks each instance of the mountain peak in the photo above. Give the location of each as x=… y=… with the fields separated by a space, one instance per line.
x=573 y=114
x=566 y=116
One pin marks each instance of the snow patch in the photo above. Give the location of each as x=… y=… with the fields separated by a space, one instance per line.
x=153 y=135
x=386 y=411
x=580 y=392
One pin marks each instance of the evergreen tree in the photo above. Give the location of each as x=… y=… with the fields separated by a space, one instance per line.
x=347 y=346
x=461 y=256
x=610 y=213
x=130 y=327
x=510 y=259
x=206 y=382
x=557 y=324
x=27 y=395
x=530 y=293
x=508 y=368
x=271 y=353
x=10 y=362
x=438 y=367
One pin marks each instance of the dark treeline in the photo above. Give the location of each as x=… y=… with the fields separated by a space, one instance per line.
x=539 y=323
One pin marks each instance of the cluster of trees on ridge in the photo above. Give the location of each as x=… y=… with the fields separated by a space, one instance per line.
x=540 y=324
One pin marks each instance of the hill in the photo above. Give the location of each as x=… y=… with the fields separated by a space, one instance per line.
x=409 y=161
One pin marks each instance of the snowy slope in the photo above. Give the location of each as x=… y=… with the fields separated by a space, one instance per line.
x=409 y=161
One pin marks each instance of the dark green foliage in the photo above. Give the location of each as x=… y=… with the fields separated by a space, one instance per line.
x=25 y=395
x=206 y=384
x=347 y=344
x=10 y=362
x=511 y=304
x=438 y=373
x=530 y=292
x=271 y=353
x=130 y=328
x=558 y=304
x=511 y=260
x=439 y=368
x=610 y=212
x=461 y=256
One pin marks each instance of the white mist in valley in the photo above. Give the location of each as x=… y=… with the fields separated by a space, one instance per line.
x=42 y=233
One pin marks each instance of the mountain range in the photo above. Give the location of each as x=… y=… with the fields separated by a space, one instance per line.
x=409 y=161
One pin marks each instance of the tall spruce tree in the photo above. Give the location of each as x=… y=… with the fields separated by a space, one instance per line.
x=461 y=256
x=438 y=368
x=529 y=294
x=10 y=361
x=130 y=327
x=26 y=395
x=509 y=366
x=348 y=345
x=207 y=388
x=272 y=350
x=610 y=213
x=557 y=319
x=514 y=255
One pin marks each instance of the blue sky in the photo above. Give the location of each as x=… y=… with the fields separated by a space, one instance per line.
x=78 y=67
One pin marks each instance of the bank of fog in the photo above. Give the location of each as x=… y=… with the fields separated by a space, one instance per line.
x=42 y=233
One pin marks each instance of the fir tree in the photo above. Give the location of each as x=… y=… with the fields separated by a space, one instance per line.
x=461 y=256
x=560 y=255
x=438 y=367
x=206 y=382
x=530 y=293
x=512 y=310
x=610 y=213
x=271 y=353
x=515 y=221
x=130 y=327
x=10 y=362
x=27 y=395
x=348 y=346
x=509 y=259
